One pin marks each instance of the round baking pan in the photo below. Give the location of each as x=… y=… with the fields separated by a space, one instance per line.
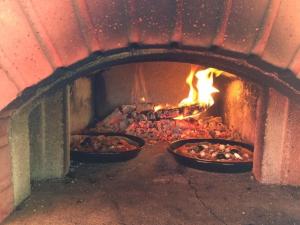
x=107 y=157
x=211 y=165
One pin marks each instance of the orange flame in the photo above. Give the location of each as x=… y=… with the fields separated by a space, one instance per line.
x=205 y=86
x=202 y=93
x=192 y=97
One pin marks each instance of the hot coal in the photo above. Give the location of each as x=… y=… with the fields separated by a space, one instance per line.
x=168 y=112
x=132 y=119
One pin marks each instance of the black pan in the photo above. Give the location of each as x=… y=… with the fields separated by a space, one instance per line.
x=107 y=157
x=209 y=165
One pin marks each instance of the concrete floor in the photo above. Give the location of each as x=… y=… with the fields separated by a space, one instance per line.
x=153 y=189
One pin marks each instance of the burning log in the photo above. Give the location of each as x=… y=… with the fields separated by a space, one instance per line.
x=168 y=113
x=158 y=124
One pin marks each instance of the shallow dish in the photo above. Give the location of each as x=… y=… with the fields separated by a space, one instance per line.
x=212 y=164
x=111 y=155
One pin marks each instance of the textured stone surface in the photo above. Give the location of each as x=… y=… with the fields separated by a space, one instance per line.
x=5 y=166
x=81 y=104
x=240 y=106
x=59 y=21
x=241 y=34
x=284 y=37
x=110 y=23
x=21 y=55
x=55 y=146
x=153 y=189
x=36 y=142
x=274 y=138
x=6 y=187
x=6 y=206
x=9 y=85
x=39 y=150
x=199 y=28
x=277 y=158
x=19 y=142
x=86 y=25
x=291 y=152
x=261 y=116
x=153 y=20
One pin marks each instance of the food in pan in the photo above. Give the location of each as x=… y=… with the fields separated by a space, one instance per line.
x=101 y=144
x=215 y=152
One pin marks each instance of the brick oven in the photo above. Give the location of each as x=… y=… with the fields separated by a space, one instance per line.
x=58 y=59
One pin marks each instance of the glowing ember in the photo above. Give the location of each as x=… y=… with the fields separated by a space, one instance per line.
x=157 y=107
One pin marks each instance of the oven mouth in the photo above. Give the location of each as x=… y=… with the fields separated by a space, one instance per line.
x=165 y=102
x=245 y=66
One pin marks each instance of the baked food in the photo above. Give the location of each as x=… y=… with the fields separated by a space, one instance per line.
x=215 y=152
x=101 y=144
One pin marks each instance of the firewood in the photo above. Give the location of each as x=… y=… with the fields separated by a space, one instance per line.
x=168 y=113
x=143 y=121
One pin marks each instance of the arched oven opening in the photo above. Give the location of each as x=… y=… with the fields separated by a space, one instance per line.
x=64 y=127
x=187 y=89
x=166 y=102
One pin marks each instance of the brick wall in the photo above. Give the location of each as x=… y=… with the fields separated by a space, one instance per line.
x=6 y=187
x=62 y=32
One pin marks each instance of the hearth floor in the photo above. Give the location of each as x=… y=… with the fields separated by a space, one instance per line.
x=153 y=189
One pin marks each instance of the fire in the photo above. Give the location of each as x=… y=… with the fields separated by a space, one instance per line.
x=192 y=97
x=201 y=93
x=205 y=86
x=162 y=106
